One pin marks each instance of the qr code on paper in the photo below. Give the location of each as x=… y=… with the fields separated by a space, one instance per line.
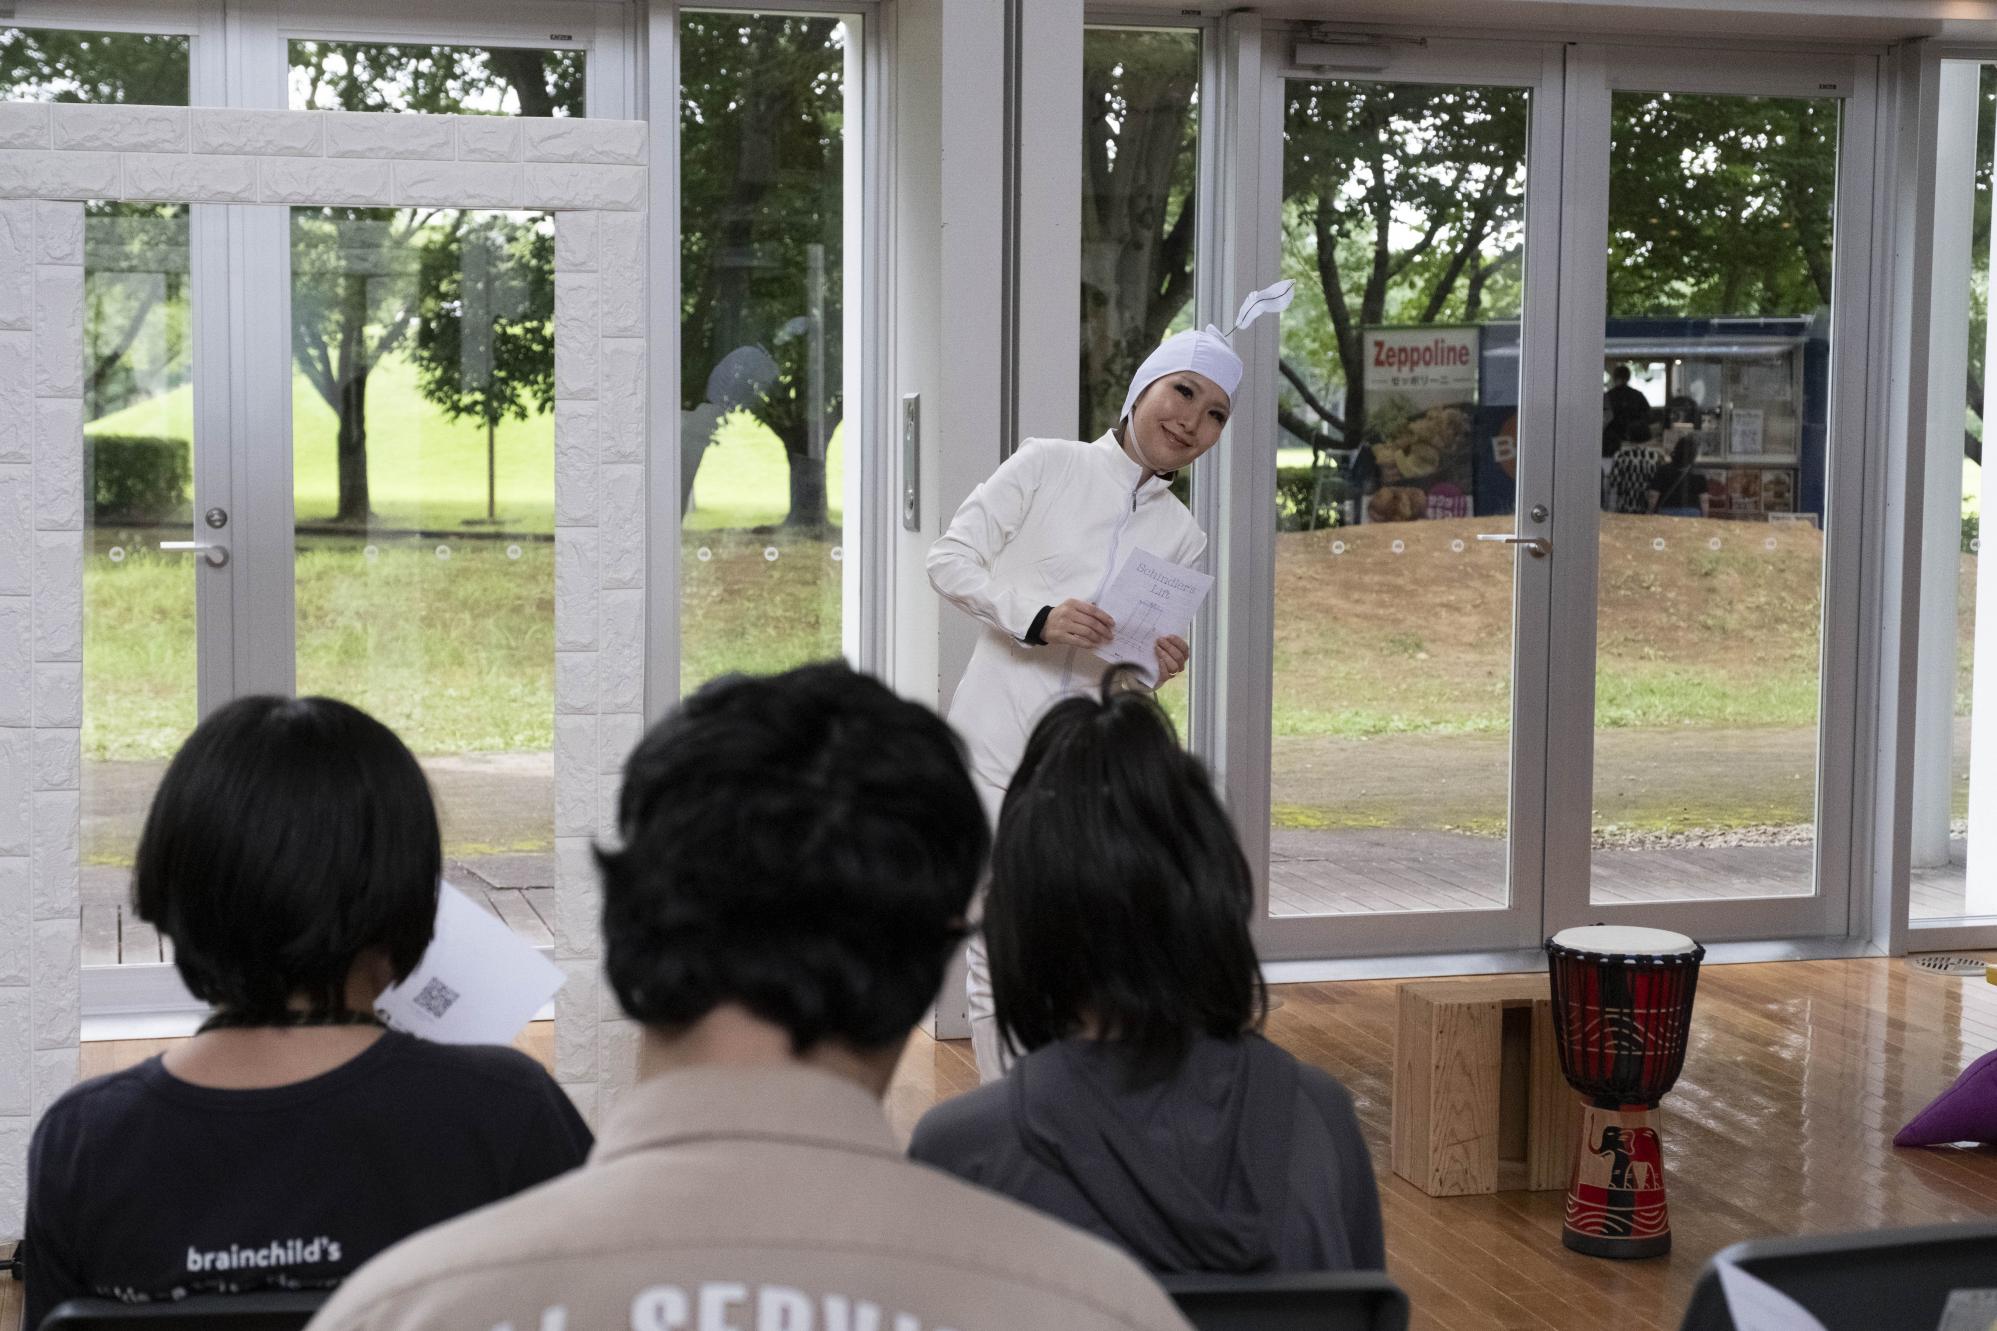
x=436 y=997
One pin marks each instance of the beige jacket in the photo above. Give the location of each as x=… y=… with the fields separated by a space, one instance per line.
x=767 y=1200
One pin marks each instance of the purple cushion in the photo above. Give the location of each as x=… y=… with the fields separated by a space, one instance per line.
x=1965 y=1112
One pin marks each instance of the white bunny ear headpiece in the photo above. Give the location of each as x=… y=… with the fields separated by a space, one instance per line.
x=1269 y=300
x=1206 y=351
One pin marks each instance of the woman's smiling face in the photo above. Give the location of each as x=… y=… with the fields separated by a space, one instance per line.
x=1178 y=418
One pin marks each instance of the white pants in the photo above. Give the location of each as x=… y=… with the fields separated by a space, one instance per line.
x=994 y=1055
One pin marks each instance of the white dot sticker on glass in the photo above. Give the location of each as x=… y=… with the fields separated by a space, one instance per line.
x=770 y=554
x=1974 y=543
x=1456 y=546
x=1768 y=544
x=1399 y=547
x=443 y=552
x=703 y=554
x=116 y=554
x=1657 y=544
x=1712 y=542
x=370 y=552
x=838 y=553
x=1338 y=547
x=513 y=552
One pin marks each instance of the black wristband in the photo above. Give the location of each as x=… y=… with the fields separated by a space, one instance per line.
x=1038 y=627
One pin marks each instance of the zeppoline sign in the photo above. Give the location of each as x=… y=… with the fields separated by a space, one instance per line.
x=1430 y=367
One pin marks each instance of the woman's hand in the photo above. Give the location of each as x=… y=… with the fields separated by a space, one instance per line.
x=1076 y=623
x=1172 y=655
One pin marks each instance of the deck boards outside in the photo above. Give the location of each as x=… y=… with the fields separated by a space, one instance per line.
x=1345 y=872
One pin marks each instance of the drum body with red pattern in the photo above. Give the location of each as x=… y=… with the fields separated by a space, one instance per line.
x=1622 y=1014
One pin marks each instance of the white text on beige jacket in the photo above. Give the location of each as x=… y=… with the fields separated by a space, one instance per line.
x=751 y=1200
x=1053 y=522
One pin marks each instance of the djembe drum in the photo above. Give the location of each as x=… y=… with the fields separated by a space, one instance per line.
x=1622 y=1010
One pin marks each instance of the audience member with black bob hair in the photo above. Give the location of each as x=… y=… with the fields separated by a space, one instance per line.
x=291 y=855
x=1148 y=1109
x=798 y=858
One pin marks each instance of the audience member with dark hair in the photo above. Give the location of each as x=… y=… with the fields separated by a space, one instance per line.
x=798 y=859
x=291 y=855
x=1148 y=1109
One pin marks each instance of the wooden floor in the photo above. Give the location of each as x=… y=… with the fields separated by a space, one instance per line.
x=1797 y=1076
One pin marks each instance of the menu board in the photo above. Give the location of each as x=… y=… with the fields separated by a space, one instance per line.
x=1746 y=438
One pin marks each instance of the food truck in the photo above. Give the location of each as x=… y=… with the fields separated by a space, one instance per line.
x=1753 y=395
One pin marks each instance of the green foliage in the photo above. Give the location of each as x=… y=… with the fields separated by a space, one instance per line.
x=1298 y=488
x=1971 y=526
x=1721 y=206
x=762 y=149
x=53 y=65
x=485 y=332
x=137 y=478
x=362 y=278
x=1403 y=203
x=1140 y=166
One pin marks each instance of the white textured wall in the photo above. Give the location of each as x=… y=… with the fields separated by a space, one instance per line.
x=52 y=158
x=600 y=450
x=41 y=667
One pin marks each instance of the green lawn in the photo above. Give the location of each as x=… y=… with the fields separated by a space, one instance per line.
x=458 y=653
x=427 y=471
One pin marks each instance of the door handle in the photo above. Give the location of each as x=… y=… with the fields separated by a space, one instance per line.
x=1536 y=546
x=216 y=555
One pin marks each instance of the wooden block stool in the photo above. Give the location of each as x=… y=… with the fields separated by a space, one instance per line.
x=1479 y=1101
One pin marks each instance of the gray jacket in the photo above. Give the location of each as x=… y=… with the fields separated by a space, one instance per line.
x=1245 y=1160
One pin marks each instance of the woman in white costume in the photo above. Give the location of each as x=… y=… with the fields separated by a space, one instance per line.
x=1033 y=548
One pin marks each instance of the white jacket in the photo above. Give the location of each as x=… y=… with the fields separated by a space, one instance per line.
x=1054 y=521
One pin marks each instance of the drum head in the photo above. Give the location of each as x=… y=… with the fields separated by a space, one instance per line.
x=1623 y=940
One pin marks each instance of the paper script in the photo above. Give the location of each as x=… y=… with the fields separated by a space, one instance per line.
x=1150 y=598
x=478 y=983
x=1757 y=1305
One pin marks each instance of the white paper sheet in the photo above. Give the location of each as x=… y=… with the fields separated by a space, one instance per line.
x=1150 y=598
x=479 y=983
x=1757 y=1305
x=1970 y=1310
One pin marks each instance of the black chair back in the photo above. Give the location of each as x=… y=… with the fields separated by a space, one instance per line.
x=1858 y=1282
x=1315 y=1301
x=275 y=1311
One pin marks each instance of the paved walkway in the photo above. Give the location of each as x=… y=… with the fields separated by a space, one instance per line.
x=1379 y=869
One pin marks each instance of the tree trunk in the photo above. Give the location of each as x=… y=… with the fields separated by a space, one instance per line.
x=808 y=510
x=353 y=452
x=491 y=470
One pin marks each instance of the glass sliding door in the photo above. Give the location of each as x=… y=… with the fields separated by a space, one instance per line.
x=769 y=120
x=422 y=465
x=1411 y=457
x=1952 y=866
x=1140 y=219
x=1710 y=415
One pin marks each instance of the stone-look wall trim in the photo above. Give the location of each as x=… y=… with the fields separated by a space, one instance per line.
x=211 y=155
x=54 y=158
x=41 y=669
x=600 y=416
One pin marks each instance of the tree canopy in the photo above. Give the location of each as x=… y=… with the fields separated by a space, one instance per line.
x=762 y=186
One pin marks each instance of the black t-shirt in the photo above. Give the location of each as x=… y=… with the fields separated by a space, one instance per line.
x=142 y=1186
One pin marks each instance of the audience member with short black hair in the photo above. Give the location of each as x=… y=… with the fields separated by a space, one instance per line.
x=798 y=858
x=291 y=855
x=1147 y=1109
